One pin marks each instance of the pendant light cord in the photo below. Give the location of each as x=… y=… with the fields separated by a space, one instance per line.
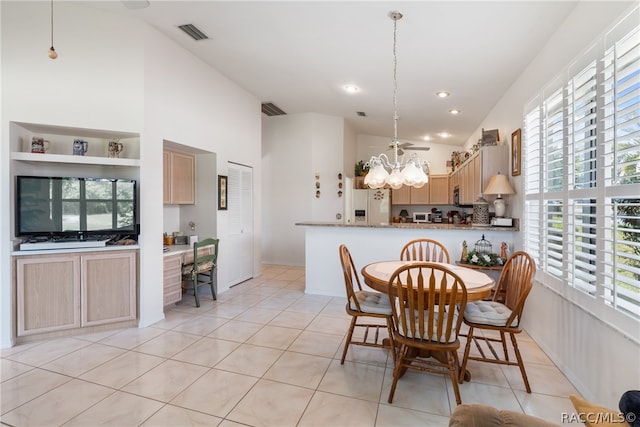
x=395 y=16
x=51 y=23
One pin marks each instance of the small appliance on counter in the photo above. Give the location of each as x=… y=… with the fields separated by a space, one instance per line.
x=437 y=216
x=502 y=222
x=422 y=217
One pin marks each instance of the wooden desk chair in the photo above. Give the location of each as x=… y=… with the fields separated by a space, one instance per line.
x=360 y=304
x=202 y=271
x=425 y=250
x=425 y=299
x=502 y=314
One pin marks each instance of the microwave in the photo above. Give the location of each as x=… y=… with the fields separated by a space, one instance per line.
x=422 y=217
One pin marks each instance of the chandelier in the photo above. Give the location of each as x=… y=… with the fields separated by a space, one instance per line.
x=412 y=172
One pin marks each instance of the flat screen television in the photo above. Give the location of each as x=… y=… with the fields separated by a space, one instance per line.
x=58 y=207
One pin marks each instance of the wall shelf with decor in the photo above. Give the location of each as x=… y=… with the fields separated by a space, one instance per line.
x=36 y=158
x=57 y=145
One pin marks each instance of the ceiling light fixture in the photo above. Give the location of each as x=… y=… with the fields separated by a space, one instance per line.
x=413 y=173
x=351 y=88
x=444 y=135
x=442 y=94
x=52 y=52
x=455 y=111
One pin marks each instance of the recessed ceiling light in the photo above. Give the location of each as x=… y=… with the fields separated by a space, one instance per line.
x=426 y=138
x=442 y=94
x=455 y=111
x=351 y=89
x=444 y=135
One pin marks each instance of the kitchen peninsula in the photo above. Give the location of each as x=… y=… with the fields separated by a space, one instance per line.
x=371 y=243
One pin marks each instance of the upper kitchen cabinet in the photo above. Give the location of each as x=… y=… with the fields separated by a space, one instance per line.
x=435 y=192
x=179 y=171
x=473 y=175
x=439 y=189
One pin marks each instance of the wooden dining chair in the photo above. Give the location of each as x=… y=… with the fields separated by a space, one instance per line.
x=503 y=314
x=362 y=304
x=427 y=301
x=425 y=250
x=202 y=271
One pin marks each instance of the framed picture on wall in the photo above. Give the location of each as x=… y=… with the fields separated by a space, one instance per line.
x=516 y=157
x=222 y=193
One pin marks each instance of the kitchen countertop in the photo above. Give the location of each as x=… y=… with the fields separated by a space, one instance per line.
x=411 y=225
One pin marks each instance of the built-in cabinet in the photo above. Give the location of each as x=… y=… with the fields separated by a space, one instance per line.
x=74 y=290
x=172 y=278
x=435 y=192
x=473 y=175
x=179 y=178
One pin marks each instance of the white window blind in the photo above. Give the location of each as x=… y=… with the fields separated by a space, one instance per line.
x=621 y=76
x=582 y=179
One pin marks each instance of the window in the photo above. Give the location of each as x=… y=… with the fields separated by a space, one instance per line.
x=582 y=179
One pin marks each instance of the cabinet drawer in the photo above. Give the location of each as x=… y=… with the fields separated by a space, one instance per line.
x=172 y=297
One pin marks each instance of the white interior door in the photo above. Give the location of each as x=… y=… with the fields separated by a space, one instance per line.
x=240 y=213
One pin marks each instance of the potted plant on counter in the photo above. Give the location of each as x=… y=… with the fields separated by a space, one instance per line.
x=361 y=168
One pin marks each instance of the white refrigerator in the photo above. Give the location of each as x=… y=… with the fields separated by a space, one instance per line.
x=368 y=207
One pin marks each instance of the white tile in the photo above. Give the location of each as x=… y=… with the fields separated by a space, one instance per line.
x=171 y=415
x=394 y=416
x=58 y=405
x=215 y=393
x=299 y=369
x=357 y=380
x=270 y=403
x=325 y=409
x=119 y=409
x=21 y=389
x=207 y=351
x=250 y=360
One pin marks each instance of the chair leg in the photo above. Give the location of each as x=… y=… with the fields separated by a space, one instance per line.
x=195 y=292
x=391 y=340
x=465 y=358
x=348 y=340
x=504 y=346
x=396 y=371
x=520 y=362
x=452 y=358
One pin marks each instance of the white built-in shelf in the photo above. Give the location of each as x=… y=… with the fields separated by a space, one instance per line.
x=69 y=159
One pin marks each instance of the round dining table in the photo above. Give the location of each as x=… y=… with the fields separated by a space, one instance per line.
x=479 y=286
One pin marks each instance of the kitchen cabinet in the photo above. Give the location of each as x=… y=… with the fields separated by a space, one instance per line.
x=473 y=175
x=435 y=192
x=74 y=290
x=439 y=190
x=179 y=178
x=407 y=195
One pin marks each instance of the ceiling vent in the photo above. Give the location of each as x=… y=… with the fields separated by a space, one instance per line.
x=193 y=32
x=271 y=109
x=361 y=114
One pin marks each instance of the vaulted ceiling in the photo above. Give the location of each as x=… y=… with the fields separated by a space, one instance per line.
x=299 y=55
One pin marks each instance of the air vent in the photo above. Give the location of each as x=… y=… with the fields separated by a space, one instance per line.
x=193 y=32
x=271 y=109
x=361 y=114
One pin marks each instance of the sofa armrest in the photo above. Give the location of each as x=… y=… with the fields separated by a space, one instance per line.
x=487 y=416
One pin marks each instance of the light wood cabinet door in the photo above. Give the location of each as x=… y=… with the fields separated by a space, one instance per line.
x=108 y=287
x=420 y=196
x=439 y=189
x=47 y=293
x=179 y=178
x=172 y=279
x=401 y=196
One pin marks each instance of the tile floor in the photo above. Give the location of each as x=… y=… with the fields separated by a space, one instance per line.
x=264 y=354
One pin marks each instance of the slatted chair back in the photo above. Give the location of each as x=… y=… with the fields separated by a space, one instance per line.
x=425 y=250
x=427 y=301
x=351 y=278
x=514 y=284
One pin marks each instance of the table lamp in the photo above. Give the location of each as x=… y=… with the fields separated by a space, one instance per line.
x=499 y=184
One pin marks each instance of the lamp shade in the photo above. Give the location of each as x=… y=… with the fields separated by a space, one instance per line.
x=499 y=184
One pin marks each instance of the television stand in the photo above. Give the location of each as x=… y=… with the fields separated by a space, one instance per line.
x=68 y=244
